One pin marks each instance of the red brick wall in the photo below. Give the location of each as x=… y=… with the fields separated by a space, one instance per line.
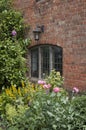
x=64 y=25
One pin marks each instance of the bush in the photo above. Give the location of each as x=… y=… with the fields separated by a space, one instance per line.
x=12 y=63
x=12 y=45
x=14 y=102
x=77 y=110
x=39 y=108
x=10 y=20
x=54 y=79
x=46 y=110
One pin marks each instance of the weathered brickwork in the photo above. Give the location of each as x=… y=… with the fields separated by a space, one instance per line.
x=64 y=25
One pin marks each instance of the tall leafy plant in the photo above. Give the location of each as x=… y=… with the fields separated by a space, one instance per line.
x=12 y=63
x=12 y=45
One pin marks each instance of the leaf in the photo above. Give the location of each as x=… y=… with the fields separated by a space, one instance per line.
x=50 y=114
x=54 y=127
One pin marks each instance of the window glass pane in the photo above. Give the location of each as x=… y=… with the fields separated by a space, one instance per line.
x=45 y=67
x=37 y=0
x=57 y=59
x=34 y=63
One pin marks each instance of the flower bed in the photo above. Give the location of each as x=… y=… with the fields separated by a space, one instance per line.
x=43 y=106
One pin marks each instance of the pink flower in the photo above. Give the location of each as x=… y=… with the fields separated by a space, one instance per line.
x=56 y=89
x=46 y=86
x=75 y=89
x=41 y=82
x=14 y=33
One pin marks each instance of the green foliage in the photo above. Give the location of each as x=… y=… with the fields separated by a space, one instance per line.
x=45 y=112
x=12 y=63
x=12 y=47
x=54 y=111
x=31 y=108
x=55 y=79
x=14 y=102
x=16 y=96
x=10 y=19
x=77 y=111
x=5 y=4
x=12 y=114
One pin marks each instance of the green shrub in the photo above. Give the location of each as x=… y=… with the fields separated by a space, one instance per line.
x=12 y=45
x=10 y=20
x=5 y=4
x=14 y=102
x=54 y=79
x=46 y=110
x=53 y=111
x=77 y=110
x=12 y=63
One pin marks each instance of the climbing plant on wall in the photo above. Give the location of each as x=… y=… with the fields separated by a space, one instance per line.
x=12 y=45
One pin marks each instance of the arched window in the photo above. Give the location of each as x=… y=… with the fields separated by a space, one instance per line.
x=44 y=58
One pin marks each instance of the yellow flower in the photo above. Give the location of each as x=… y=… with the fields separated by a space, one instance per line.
x=14 y=89
x=26 y=90
x=7 y=91
x=19 y=91
x=22 y=83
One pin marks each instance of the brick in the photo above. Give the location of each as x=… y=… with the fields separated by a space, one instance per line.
x=65 y=26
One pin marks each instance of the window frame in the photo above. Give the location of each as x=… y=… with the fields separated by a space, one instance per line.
x=51 y=53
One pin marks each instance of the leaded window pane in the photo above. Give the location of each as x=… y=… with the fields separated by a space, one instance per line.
x=45 y=66
x=37 y=0
x=34 y=63
x=57 y=59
